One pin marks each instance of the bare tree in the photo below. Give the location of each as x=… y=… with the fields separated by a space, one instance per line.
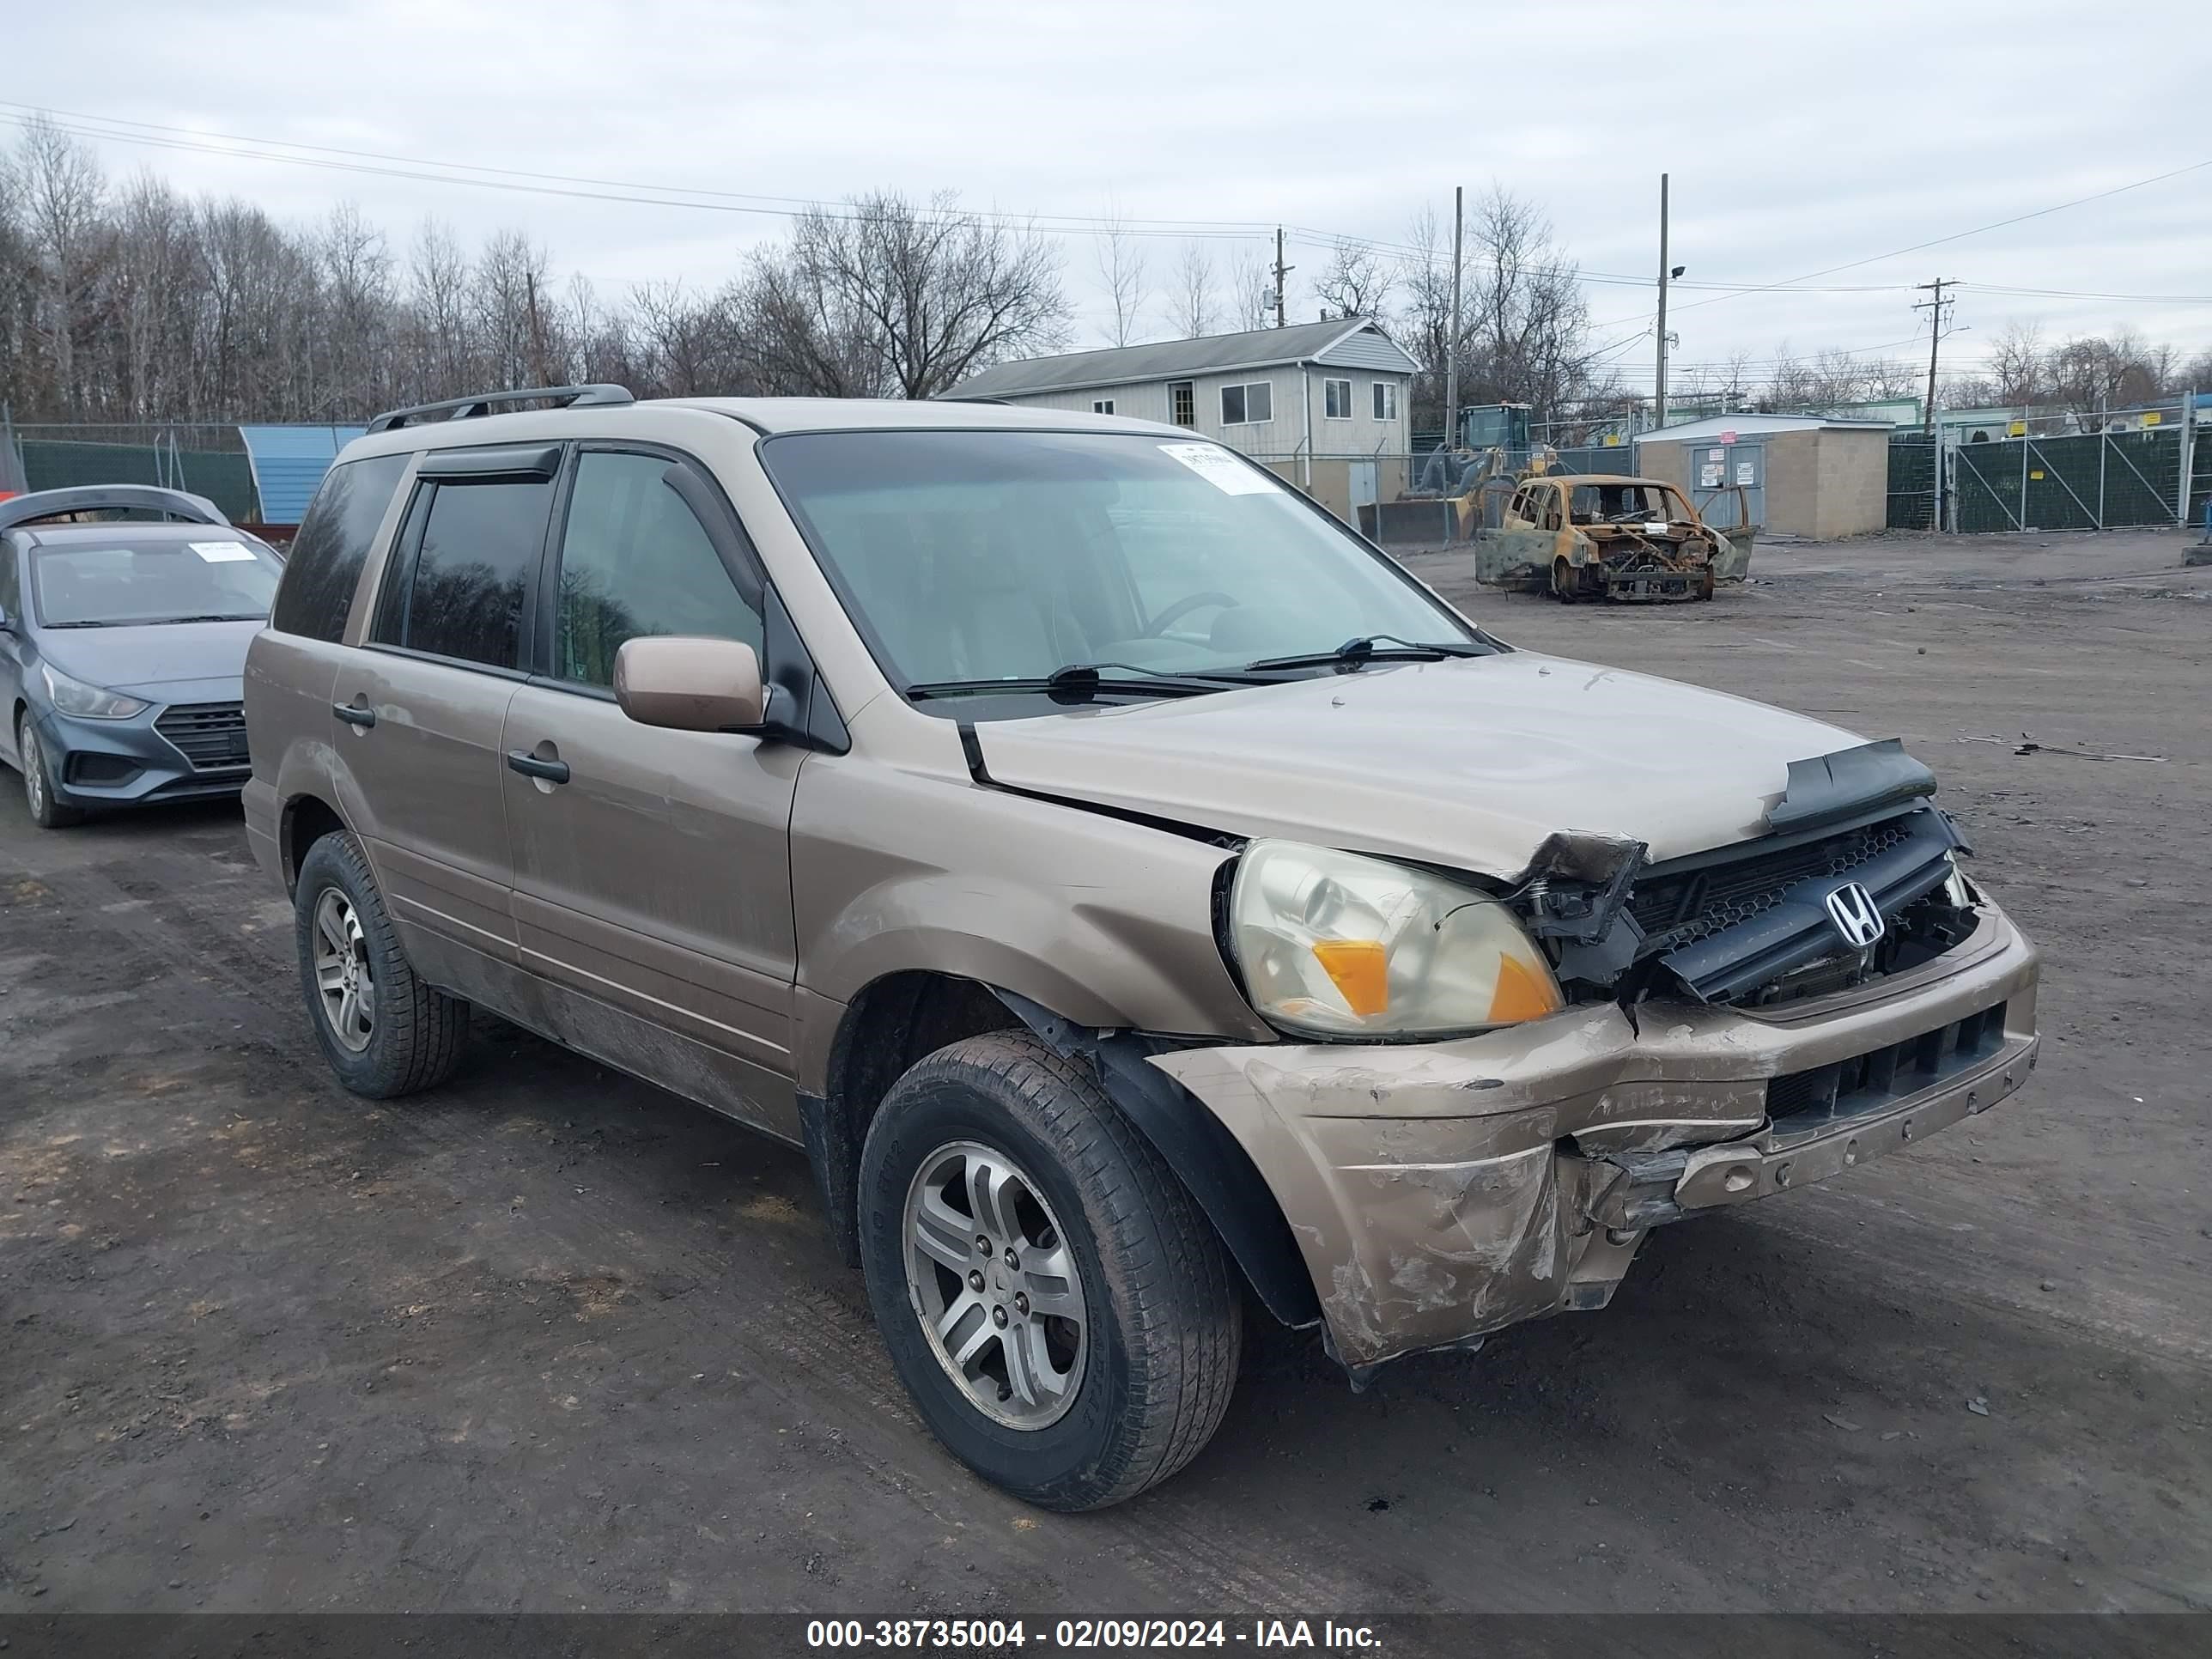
x=804 y=335
x=1190 y=297
x=943 y=292
x=1121 y=264
x=2018 y=369
x=439 y=322
x=1356 y=282
x=1425 y=318
x=1528 y=325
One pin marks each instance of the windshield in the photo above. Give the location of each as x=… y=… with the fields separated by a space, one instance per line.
x=128 y=580
x=985 y=556
x=1609 y=503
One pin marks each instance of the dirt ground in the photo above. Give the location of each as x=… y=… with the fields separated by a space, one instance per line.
x=551 y=1340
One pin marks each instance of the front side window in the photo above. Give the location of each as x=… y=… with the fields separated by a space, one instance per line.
x=466 y=569
x=123 y=579
x=635 y=560
x=1336 y=400
x=332 y=545
x=968 y=556
x=11 y=601
x=1386 y=400
x=1248 y=405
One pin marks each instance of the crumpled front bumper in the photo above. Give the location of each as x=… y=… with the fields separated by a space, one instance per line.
x=1442 y=1191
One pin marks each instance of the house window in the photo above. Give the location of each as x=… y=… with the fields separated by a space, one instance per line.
x=1386 y=400
x=1336 y=400
x=1101 y=406
x=1251 y=404
x=1182 y=404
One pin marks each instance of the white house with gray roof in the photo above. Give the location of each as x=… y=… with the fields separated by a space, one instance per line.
x=1335 y=390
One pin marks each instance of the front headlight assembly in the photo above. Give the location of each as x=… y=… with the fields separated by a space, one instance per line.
x=91 y=702
x=1333 y=944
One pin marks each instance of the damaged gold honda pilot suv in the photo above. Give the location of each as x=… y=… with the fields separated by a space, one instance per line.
x=1126 y=884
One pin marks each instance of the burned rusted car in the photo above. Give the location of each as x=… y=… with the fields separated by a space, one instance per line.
x=1600 y=535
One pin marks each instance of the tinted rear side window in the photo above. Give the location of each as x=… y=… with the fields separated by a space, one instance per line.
x=332 y=545
x=462 y=594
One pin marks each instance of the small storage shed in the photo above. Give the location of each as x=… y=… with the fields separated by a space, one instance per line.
x=1807 y=475
x=289 y=462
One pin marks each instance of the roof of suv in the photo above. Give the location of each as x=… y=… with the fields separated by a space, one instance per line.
x=766 y=415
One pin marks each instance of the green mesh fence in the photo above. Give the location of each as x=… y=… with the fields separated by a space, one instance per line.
x=2107 y=481
x=1911 y=483
x=226 y=480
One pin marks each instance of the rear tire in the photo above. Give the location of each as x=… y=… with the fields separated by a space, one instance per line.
x=1136 y=1379
x=384 y=1031
x=39 y=781
x=1564 y=582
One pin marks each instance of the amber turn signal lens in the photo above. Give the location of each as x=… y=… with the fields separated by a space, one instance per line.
x=1361 y=969
x=1521 y=994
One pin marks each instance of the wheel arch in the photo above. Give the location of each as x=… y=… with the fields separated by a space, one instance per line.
x=901 y=1017
x=305 y=819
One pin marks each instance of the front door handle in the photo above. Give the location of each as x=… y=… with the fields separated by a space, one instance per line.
x=553 y=771
x=355 y=714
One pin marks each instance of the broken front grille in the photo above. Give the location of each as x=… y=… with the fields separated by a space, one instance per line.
x=1682 y=909
x=210 y=735
x=1808 y=1100
x=1729 y=923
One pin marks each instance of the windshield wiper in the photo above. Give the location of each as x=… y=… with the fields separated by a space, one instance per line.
x=90 y=624
x=1076 y=682
x=1371 y=647
x=212 y=615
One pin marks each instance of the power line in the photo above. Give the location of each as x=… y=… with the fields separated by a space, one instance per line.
x=1958 y=236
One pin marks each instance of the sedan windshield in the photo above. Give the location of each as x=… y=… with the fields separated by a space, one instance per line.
x=128 y=581
x=968 y=556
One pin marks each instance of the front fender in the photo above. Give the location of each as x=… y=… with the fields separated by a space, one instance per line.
x=1107 y=922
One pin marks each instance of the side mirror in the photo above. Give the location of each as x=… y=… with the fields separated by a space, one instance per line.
x=690 y=685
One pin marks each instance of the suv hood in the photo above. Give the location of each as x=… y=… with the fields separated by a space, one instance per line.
x=1472 y=763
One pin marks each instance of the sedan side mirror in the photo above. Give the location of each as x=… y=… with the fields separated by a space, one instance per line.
x=690 y=685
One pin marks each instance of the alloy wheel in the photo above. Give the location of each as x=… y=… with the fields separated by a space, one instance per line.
x=991 y=1276
x=342 y=975
x=34 y=772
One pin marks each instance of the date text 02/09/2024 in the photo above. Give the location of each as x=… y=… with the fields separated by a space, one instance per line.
x=1076 y=1634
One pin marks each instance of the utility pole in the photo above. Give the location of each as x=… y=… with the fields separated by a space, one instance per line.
x=1661 y=400
x=1451 y=345
x=1282 y=272
x=1935 y=309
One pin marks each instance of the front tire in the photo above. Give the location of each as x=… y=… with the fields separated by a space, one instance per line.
x=384 y=1031
x=46 y=813
x=1061 y=1312
x=1565 y=582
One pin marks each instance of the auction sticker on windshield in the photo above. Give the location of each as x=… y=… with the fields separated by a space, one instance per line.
x=223 y=552
x=1221 y=468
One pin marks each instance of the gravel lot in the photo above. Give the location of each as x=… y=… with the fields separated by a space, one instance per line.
x=550 y=1341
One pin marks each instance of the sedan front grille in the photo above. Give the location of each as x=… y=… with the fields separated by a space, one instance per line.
x=210 y=735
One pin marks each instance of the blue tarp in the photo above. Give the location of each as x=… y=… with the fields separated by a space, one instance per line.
x=288 y=464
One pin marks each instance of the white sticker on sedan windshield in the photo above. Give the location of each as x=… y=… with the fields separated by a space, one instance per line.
x=223 y=552
x=1222 y=470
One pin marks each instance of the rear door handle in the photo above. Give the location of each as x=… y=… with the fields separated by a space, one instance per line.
x=355 y=714
x=553 y=771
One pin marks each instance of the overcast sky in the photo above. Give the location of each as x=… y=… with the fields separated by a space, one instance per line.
x=1801 y=134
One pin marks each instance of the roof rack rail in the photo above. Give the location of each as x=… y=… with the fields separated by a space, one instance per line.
x=99 y=498
x=463 y=409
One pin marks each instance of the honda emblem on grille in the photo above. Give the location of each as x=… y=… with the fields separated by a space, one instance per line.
x=1851 y=908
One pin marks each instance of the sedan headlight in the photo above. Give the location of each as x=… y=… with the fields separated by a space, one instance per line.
x=1336 y=945
x=73 y=697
